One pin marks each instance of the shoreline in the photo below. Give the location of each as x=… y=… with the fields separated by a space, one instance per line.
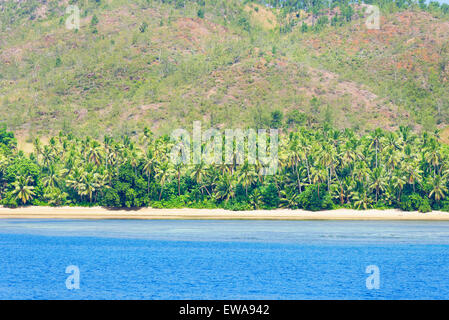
x=99 y=213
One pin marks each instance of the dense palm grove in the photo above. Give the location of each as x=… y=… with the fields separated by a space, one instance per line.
x=318 y=169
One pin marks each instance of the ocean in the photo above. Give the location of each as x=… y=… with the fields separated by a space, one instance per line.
x=193 y=259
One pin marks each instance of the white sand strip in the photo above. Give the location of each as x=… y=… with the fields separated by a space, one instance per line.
x=214 y=214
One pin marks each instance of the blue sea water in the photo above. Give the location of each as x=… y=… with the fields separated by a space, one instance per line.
x=123 y=259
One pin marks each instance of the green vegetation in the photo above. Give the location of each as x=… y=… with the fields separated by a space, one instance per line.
x=318 y=169
x=162 y=64
x=228 y=63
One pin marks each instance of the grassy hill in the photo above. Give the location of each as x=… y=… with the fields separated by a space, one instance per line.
x=164 y=64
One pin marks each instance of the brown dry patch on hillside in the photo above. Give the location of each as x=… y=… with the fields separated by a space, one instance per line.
x=310 y=19
x=262 y=16
x=114 y=20
x=356 y=99
x=245 y=84
x=24 y=141
x=444 y=135
x=9 y=55
x=414 y=41
x=123 y=17
x=196 y=30
x=419 y=29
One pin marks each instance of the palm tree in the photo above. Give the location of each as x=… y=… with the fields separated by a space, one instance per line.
x=318 y=176
x=361 y=173
x=37 y=148
x=199 y=173
x=246 y=176
x=179 y=168
x=361 y=200
x=255 y=199
x=433 y=156
x=378 y=181
x=289 y=198
x=413 y=174
x=148 y=167
x=95 y=154
x=4 y=164
x=164 y=172
x=439 y=188
x=22 y=190
x=90 y=184
x=225 y=189
x=52 y=179
x=398 y=183
x=375 y=138
x=47 y=156
x=358 y=170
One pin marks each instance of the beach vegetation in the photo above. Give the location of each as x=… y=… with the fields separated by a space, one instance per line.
x=318 y=169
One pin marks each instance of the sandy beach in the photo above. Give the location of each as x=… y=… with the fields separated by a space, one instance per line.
x=214 y=214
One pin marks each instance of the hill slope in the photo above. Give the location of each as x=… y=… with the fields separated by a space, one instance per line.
x=162 y=65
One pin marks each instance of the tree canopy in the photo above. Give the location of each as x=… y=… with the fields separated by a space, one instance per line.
x=318 y=169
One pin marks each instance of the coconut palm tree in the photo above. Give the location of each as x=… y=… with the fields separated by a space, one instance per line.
x=398 y=182
x=246 y=176
x=439 y=189
x=378 y=181
x=149 y=164
x=199 y=173
x=164 y=172
x=95 y=154
x=318 y=176
x=289 y=199
x=52 y=179
x=375 y=140
x=225 y=189
x=361 y=200
x=255 y=199
x=23 y=191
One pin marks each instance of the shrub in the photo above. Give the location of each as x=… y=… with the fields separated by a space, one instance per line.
x=94 y=20
x=270 y=196
x=236 y=206
x=445 y=205
x=10 y=201
x=309 y=199
x=110 y=199
x=411 y=202
x=425 y=206
x=143 y=27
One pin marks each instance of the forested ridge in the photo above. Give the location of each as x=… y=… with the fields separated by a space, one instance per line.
x=165 y=63
x=363 y=114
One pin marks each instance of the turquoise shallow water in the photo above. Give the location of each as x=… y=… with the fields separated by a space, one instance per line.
x=122 y=259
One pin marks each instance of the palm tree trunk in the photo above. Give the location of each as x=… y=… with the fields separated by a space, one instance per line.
x=377 y=192
x=179 y=183
x=342 y=201
x=297 y=178
x=308 y=171
x=160 y=193
x=376 y=154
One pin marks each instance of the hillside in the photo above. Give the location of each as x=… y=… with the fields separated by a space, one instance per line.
x=227 y=63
